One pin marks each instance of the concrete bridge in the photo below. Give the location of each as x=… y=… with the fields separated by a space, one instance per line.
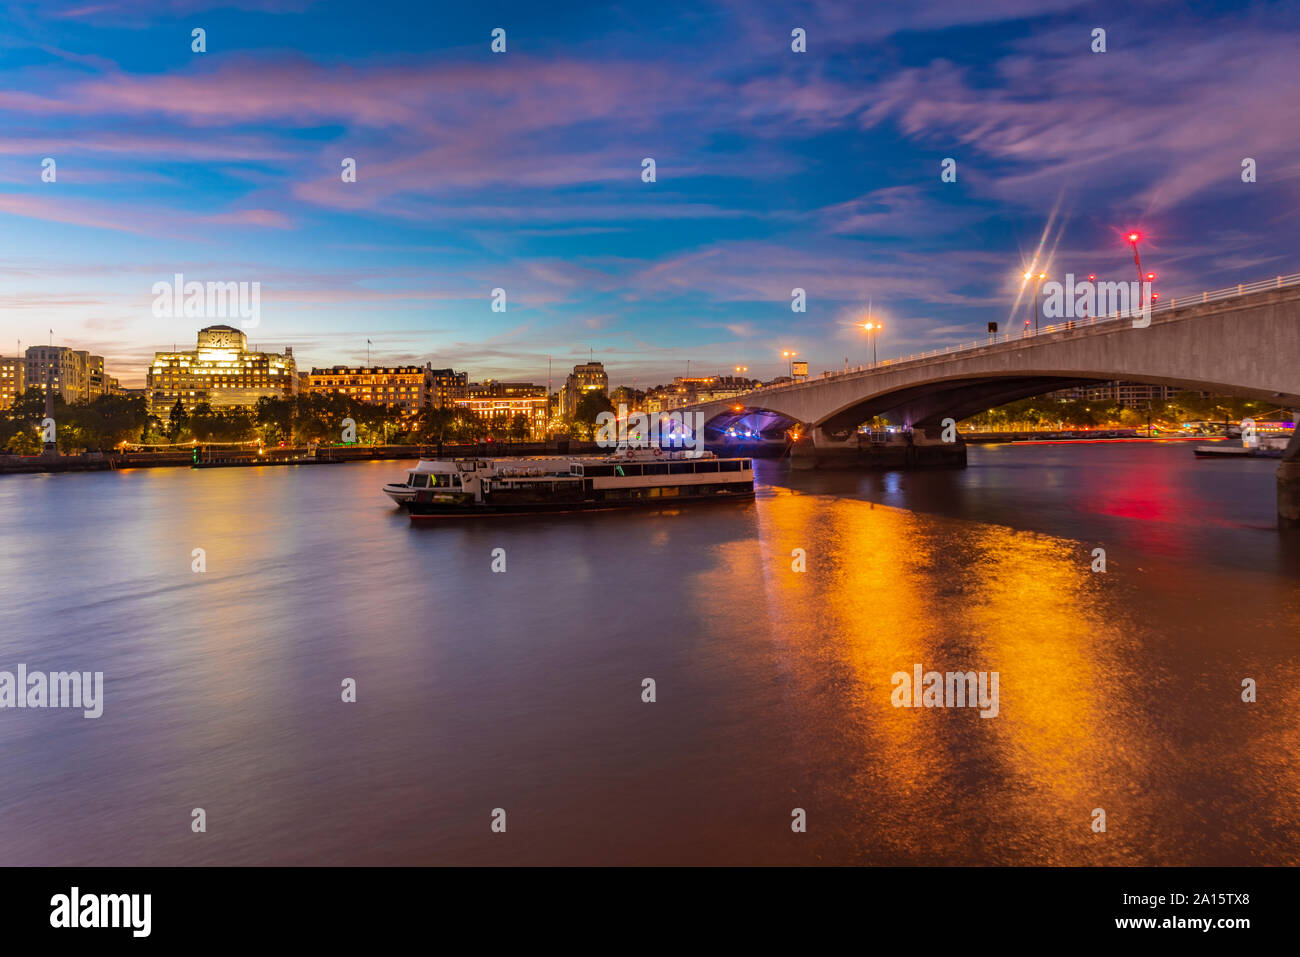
x=1242 y=341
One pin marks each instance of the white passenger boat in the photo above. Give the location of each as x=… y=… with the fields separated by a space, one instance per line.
x=629 y=479
x=1265 y=447
x=437 y=477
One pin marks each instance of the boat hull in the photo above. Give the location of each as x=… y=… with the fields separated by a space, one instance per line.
x=421 y=511
x=1235 y=452
x=402 y=495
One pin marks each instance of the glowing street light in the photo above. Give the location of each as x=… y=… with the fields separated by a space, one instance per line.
x=1133 y=238
x=1038 y=285
x=873 y=333
x=789 y=354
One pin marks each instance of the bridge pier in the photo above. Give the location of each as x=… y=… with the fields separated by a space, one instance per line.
x=1288 y=485
x=918 y=449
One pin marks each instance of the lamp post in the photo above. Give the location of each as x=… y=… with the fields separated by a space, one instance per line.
x=1038 y=285
x=789 y=354
x=1133 y=238
x=1029 y=275
x=873 y=331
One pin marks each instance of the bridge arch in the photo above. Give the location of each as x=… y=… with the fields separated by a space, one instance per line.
x=924 y=405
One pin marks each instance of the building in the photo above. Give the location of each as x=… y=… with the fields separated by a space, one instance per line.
x=98 y=382
x=407 y=388
x=77 y=375
x=586 y=377
x=13 y=376
x=221 y=371
x=634 y=399
x=448 y=386
x=502 y=401
x=688 y=390
x=1131 y=395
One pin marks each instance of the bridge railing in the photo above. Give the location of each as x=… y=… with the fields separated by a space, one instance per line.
x=1169 y=305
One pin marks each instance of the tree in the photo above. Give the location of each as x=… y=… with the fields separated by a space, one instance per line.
x=518 y=430
x=275 y=418
x=110 y=419
x=178 y=422
x=589 y=407
x=211 y=425
x=23 y=443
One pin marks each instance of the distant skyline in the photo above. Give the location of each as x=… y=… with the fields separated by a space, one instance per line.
x=522 y=170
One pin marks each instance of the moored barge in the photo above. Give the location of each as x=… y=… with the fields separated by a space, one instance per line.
x=630 y=479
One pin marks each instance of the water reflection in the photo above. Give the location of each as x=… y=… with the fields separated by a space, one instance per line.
x=523 y=690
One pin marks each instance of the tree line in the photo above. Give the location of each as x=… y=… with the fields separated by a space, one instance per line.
x=1044 y=413
x=108 y=421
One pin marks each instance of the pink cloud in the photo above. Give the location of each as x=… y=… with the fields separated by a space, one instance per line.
x=252 y=217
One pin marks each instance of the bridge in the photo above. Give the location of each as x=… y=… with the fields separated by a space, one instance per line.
x=1242 y=341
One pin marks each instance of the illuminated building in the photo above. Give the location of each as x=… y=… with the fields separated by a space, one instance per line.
x=13 y=375
x=502 y=401
x=448 y=386
x=77 y=375
x=221 y=371
x=586 y=377
x=689 y=390
x=407 y=388
x=1127 y=394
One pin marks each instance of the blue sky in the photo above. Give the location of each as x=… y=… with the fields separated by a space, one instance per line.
x=522 y=171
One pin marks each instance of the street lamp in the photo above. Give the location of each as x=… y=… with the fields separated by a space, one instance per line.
x=789 y=354
x=873 y=331
x=1133 y=238
x=1038 y=285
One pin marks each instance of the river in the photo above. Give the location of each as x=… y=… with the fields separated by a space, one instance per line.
x=522 y=690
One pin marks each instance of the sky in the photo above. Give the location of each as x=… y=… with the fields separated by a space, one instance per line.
x=523 y=171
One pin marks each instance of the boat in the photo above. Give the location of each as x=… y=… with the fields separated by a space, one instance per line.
x=437 y=477
x=630 y=478
x=1264 y=447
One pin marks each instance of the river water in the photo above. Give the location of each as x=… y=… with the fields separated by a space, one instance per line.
x=522 y=690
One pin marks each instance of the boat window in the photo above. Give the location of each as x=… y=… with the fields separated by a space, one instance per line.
x=681 y=468
x=599 y=470
x=419 y=481
x=706 y=467
x=729 y=465
x=656 y=468
x=627 y=470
